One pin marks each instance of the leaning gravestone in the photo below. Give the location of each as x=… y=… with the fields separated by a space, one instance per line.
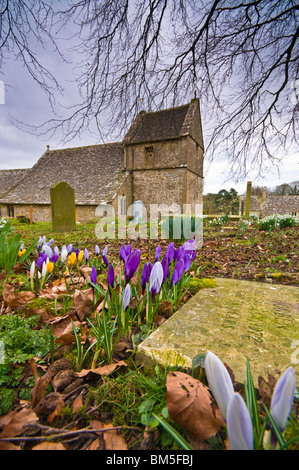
x=63 y=207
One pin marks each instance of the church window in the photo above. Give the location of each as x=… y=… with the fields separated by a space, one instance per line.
x=149 y=151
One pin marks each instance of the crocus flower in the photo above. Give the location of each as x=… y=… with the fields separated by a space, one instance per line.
x=156 y=278
x=189 y=246
x=77 y=251
x=179 y=253
x=110 y=276
x=50 y=242
x=170 y=251
x=32 y=270
x=165 y=267
x=54 y=258
x=86 y=255
x=126 y=296
x=69 y=248
x=56 y=250
x=63 y=255
x=178 y=271
x=47 y=250
x=50 y=267
x=104 y=255
x=72 y=259
x=283 y=397
x=131 y=264
x=93 y=275
x=187 y=262
x=44 y=269
x=239 y=425
x=96 y=250
x=41 y=242
x=21 y=252
x=144 y=277
x=158 y=253
x=80 y=255
x=219 y=381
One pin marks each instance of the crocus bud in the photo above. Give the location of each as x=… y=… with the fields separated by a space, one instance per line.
x=144 y=277
x=86 y=255
x=32 y=270
x=283 y=397
x=104 y=255
x=93 y=275
x=63 y=255
x=156 y=278
x=158 y=253
x=239 y=424
x=219 y=381
x=110 y=276
x=131 y=264
x=126 y=296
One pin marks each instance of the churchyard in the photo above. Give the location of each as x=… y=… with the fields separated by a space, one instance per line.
x=104 y=343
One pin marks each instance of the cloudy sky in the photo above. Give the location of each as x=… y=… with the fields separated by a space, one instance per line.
x=24 y=101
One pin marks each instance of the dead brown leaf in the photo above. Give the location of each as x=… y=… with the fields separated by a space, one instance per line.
x=189 y=403
x=19 y=419
x=83 y=302
x=49 y=446
x=113 y=440
x=16 y=300
x=90 y=374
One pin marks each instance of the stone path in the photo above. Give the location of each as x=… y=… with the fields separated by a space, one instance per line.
x=236 y=320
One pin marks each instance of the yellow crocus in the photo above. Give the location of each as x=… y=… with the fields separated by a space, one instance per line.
x=72 y=259
x=21 y=252
x=80 y=256
x=50 y=267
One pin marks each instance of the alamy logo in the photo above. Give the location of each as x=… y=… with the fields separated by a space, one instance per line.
x=2 y=92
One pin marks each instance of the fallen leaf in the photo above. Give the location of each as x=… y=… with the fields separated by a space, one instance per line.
x=189 y=403
x=49 y=446
x=78 y=403
x=83 y=302
x=105 y=370
x=18 y=420
x=113 y=440
x=14 y=300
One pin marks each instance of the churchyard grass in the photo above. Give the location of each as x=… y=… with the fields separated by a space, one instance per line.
x=98 y=299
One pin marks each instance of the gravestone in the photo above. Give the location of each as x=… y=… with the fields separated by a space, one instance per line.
x=235 y=320
x=248 y=200
x=63 y=207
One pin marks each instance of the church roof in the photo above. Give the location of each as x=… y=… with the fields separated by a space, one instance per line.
x=162 y=125
x=94 y=172
x=9 y=178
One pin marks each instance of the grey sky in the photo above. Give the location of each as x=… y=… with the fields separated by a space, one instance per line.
x=25 y=101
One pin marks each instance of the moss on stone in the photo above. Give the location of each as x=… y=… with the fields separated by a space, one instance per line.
x=195 y=284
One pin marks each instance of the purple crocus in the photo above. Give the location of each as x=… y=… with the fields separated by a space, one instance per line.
x=179 y=253
x=158 y=253
x=283 y=397
x=239 y=424
x=131 y=264
x=126 y=296
x=69 y=248
x=178 y=272
x=93 y=275
x=187 y=262
x=110 y=276
x=144 y=277
x=86 y=255
x=104 y=255
x=165 y=267
x=54 y=258
x=156 y=278
x=170 y=252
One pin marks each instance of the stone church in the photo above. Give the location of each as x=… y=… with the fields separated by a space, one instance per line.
x=159 y=161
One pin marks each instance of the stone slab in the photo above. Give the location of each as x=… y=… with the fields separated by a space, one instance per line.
x=236 y=320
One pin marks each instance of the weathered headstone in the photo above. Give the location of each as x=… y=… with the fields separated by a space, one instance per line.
x=236 y=320
x=63 y=207
x=248 y=200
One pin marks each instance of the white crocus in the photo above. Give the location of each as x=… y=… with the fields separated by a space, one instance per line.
x=239 y=424
x=219 y=381
x=283 y=397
